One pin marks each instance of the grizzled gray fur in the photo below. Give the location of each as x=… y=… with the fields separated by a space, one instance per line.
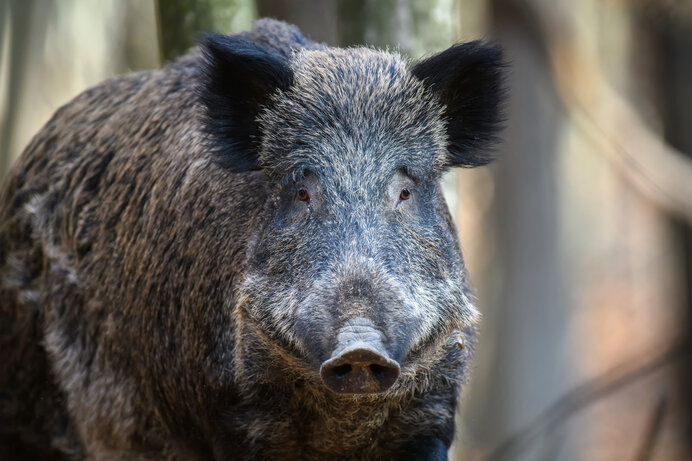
x=244 y=255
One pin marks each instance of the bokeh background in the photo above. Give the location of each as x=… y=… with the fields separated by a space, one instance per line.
x=578 y=239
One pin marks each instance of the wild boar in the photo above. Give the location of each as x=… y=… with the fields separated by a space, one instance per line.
x=245 y=255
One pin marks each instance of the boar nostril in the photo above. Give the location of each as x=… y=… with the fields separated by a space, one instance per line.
x=359 y=371
x=378 y=371
x=384 y=375
x=341 y=371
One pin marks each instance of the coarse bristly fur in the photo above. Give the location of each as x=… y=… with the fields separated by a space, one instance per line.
x=180 y=247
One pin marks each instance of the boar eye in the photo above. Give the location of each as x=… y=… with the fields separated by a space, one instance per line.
x=303 y=194
x=405 y=194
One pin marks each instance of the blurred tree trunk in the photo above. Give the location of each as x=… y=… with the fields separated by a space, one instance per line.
x=414 y=27
x=51 y=51
x=15 y=18
x=182 y=21
x=523 y=297
x=671 y=33
x=316 y=19
x=586 y=275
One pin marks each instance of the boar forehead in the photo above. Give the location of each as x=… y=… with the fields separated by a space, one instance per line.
x=354 y=113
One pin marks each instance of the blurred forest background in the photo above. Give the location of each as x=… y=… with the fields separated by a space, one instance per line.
x=578 y=239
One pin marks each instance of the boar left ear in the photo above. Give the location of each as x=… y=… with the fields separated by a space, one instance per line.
x=468 y=80
x=238 y=80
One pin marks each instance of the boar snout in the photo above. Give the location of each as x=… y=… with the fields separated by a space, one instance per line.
x=360 y=363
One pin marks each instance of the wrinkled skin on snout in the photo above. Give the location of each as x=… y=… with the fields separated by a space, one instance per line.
x=245 y=255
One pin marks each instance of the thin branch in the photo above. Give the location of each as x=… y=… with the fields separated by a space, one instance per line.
x=654 y=428
x=580 y=397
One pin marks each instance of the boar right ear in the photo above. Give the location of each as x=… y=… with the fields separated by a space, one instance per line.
x=468 y=80
x=238 y=80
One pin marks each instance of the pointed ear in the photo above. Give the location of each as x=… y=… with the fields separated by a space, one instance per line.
x=468 y=79
x=238 y=80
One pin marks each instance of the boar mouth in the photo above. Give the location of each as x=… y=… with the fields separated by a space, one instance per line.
x=359 y=364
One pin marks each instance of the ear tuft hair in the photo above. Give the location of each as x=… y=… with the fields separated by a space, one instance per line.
x=468 y=79
x=238 y=80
